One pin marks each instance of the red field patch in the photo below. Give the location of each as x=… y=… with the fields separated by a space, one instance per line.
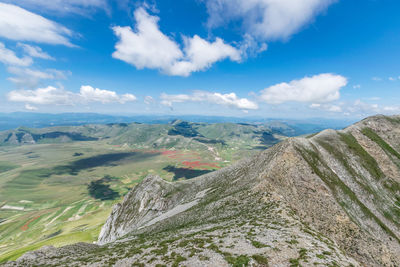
x=189 y=159
x=26 y=225
x=175 y=154
x=162 y=152
x=168 y=152
x=199 y=165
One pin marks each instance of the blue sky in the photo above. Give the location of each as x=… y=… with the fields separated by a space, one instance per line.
x=289 y=58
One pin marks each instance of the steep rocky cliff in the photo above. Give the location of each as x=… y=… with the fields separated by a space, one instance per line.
x=331 y=199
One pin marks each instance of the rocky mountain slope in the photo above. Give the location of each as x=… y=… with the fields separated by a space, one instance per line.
x=332 y=199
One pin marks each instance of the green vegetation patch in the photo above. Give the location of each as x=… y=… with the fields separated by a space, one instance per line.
x=178 y=260
x=257 y=244
x=294 y=262
x=6 y=166
x=53 y=135
x=367 y=161
x=260 y=259
x=302 y=257
x=240 y=261
x=393 y=120
x=392 y=186
x=368 y=132
x=340 y=156
x=337 y=186
x=26 y=180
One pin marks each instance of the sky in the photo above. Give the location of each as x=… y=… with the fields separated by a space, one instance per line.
x=258 y=58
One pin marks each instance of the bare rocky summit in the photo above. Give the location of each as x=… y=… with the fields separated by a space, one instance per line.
x=331 y=199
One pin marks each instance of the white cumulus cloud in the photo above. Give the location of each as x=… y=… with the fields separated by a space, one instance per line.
x=334 y=108
x=392 y=109
x=43 y=96
x=30 y=107
x=8 y=57
x=147 y=47
x=22 y=75
x=26 y=77
x=357 y=108
x=362 y=107
x=266 y=19
x=201 y=54
x=327 y=107
x=59 y=96
x=35 y=51
x=315 y=89
x=168 y=100
x=231 y=100
x=61 y=6
x=90 y=94
x=19 y=24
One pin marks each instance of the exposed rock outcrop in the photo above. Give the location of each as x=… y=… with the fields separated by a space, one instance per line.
x=150 y=199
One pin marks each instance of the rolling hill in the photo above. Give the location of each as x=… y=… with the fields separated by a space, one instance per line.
x=177 y=134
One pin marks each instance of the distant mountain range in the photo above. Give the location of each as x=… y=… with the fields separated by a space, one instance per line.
x=289 y=127
x=176 y=134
